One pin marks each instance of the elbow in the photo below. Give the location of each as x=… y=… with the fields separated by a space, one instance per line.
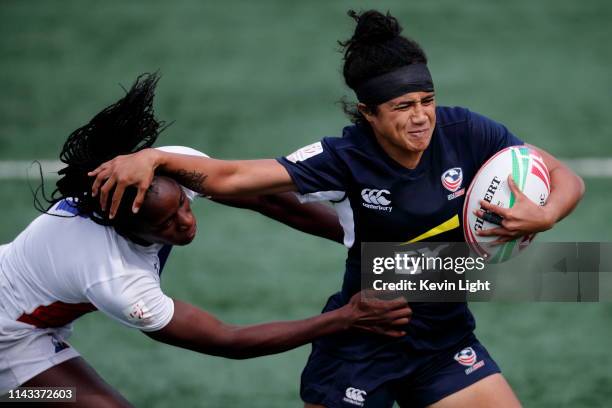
x=222 y=183
x=564 y=174
x=278 y=201
x=229 y=345
x=581 y=187
x=267 y=203
x=238 y=355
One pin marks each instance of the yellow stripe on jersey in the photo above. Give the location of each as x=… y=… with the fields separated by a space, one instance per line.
x=447 y=225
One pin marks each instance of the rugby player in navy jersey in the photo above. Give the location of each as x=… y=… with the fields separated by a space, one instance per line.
x=384 y=175
x=73 y=259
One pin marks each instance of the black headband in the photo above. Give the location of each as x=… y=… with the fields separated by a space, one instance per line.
x=409 y=78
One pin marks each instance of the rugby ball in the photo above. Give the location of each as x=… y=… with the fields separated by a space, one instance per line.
x=491 y=184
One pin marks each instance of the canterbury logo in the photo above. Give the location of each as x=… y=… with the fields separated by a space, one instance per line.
x=372 y=196
x=354 y=396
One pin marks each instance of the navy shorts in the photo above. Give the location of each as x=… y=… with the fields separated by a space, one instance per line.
x=379 y=381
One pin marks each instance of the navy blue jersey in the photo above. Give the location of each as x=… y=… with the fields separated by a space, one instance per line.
x=386 y=202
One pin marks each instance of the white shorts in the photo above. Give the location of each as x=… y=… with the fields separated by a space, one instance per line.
x=27 y=356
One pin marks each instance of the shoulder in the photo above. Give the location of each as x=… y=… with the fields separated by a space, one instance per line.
x=66 y=249
x=355 y=139
x=350 y=136
x=447 y=116
x=134 y=299
x=63 y=227
x=77 y=243
x=459 y=120
x=456 y=115
x=473 y=133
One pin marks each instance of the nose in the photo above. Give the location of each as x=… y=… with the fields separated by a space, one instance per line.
x=186 y=219
x=419 y=117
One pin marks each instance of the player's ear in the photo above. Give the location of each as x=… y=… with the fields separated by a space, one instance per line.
x=365 y=111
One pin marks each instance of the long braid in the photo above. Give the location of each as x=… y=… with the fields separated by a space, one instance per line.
x=125 y=127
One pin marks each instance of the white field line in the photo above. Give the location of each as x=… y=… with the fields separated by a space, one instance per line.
x=600 y=167
x=27 y=169
x=591 y=167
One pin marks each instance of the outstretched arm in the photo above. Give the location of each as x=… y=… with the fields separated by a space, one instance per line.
x=207 y=176
x=194 y=329
x=312 y=218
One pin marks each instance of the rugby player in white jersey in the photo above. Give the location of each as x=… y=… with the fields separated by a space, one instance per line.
x=74 y=259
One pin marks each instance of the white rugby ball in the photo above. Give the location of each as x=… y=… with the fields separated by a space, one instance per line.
x=491 y=184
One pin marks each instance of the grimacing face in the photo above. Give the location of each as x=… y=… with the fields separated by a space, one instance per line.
x=165 y=216
x=404 y=125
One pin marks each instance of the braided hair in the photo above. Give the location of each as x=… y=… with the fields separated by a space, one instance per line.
x=125 y=127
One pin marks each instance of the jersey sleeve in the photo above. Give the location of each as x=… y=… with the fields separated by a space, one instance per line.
x=315 y=168
x=184 y=150
x=489 y=136
x=135 y=299
x=331 y=196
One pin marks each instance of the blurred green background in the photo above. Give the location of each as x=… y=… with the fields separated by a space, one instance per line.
x=260 y=79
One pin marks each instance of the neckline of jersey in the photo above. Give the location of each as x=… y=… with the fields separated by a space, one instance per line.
x=149 y=249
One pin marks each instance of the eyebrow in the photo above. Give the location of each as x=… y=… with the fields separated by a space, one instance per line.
x=412 y=101
x=181 y=201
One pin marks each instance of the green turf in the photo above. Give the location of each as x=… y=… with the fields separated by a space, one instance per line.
x=240 y=74
x=258 y=79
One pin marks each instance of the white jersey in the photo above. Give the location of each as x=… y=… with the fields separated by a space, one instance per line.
x=59 y=268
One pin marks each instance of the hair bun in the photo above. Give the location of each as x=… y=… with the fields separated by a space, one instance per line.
x=374 y=27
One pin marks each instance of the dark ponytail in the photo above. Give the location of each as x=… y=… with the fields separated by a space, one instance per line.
x=376 y=47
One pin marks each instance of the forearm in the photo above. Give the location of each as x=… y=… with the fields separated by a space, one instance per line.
x=225 y=177
x=312 y=218
x=272 y=338
x=194 y=329
x=566 y=192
